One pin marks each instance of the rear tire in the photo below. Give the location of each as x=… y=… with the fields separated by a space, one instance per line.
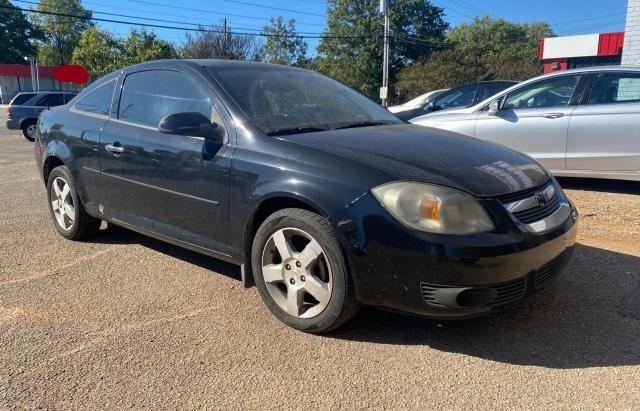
x=29 y=130
x=307 y=286
x=69 y=216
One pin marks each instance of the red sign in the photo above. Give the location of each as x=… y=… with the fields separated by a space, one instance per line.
x=71 y=74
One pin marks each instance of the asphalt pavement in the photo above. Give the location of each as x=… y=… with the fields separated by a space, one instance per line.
x=124 y=321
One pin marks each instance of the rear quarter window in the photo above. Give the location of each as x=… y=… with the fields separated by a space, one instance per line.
x=20 y=99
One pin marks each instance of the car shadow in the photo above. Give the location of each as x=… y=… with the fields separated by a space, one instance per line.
x=600 y=185
x=590 y=317
x=117 y=235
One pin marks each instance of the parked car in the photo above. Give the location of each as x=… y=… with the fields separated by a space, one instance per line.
x=578 y=123
x=417 y=102
x=24 y=109
x=325 y=199
x=462 y=96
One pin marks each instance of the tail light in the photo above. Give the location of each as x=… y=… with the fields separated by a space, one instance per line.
x=9 y=111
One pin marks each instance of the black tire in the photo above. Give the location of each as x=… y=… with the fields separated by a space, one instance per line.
x=25 y=128
x=342 y=304
x=83 y=224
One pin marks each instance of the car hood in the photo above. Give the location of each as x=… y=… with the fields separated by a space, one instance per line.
x=416 y=153
x=435 y=116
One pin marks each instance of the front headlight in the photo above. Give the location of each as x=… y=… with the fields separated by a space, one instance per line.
x=433 y=208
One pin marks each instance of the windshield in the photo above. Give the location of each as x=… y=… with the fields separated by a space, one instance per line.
x=458 y=97
x=281 y=100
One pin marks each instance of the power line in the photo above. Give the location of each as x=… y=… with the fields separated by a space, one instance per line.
x=149 y=3
x=588 y=18
x=160 y=20
x=133 y=23
x=228 y=1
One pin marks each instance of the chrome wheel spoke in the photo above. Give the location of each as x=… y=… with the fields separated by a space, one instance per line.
x=56 y=189
x=65 y=192
x=317 y=288
x=70 y=212
x=295 y=299
x=282 y=244
x=310 y=254
x=272 y=273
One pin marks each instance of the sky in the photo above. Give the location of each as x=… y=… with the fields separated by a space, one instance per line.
x=567 y=17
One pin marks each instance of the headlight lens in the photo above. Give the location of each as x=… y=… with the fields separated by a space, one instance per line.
x=433 y=208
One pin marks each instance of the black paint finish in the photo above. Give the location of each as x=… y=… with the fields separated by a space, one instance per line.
x=203 y=194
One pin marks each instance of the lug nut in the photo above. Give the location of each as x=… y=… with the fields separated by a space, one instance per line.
x=288 y=267
x=302 y=278
x=292 y=281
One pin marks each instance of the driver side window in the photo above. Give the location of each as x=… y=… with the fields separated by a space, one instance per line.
x=552 y=92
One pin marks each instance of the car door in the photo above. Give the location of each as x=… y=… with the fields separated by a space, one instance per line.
x=87 y=116
x=534 y=119
x=604 y=133
x=176 y=186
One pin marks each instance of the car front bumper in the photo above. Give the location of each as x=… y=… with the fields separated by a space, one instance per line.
x=444 y=276
x=13 y=124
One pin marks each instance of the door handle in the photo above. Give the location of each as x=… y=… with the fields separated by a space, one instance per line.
x=553 y=115
x=113 y=148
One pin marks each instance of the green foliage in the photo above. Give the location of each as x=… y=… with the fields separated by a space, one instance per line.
x=99 y=52
x=143 y=45
x=444 y=69
x=16 y=35
x=358 y=61
x=61 y=34
x=485 y=49
x=284 y=45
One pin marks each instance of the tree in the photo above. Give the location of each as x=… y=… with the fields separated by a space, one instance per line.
x=61 y=34
x=16 y=35
x=99 y=52
x=444 y=69
x=485 y=49
x=509 y=50
x=143 y=45
x=283 y=45
x=351 y=50
x=220 y=43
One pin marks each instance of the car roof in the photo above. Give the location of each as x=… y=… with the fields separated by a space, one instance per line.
x=214 y=63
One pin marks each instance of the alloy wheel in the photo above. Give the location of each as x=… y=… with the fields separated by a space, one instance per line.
x=62 y=203
x=297 y=273
x=31 y=131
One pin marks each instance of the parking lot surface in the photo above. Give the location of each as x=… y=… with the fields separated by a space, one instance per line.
x=124 y=321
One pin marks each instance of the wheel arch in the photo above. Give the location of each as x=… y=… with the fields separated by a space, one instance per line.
x=51 y=162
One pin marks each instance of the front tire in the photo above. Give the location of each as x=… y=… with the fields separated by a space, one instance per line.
x=29 y=130
x=69 y=216
x=301 y=272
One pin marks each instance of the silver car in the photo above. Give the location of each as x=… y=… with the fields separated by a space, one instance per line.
x=578 y=123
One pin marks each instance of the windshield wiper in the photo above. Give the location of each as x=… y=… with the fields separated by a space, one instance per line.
x=362 y=124
x=295 y=130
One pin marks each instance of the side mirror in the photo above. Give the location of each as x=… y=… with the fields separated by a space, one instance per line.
x=494 y=107
x=431 y=106
x=190 y=124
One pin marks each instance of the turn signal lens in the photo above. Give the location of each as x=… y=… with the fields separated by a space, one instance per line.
x=435 y=209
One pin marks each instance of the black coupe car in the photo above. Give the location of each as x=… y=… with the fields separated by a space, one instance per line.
x=326 y=200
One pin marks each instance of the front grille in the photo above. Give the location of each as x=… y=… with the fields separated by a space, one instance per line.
x=538 y=213
x=535 y=213
x=507 y=292
x=510 y=291
x=545 y=275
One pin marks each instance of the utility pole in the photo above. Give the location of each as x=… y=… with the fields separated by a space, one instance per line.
x=384 y=90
